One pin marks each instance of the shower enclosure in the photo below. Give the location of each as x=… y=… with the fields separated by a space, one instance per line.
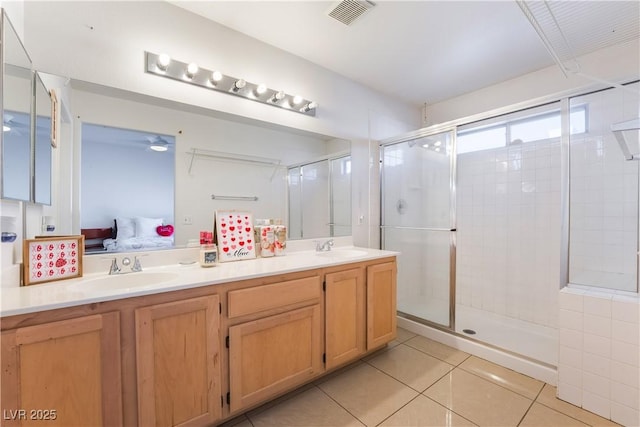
x=480 y=214
x=419 y=221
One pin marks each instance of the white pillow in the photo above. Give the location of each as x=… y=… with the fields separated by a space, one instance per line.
x=126 y=228
x=146 y=227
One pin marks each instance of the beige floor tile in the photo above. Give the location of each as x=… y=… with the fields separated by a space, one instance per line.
x=479 y=400
x=368 y=394
x=437 y=350
x=548 y=398
x=410 y=366
x=402 y=336
x=424 y=412
x=311 y=408
x=514 y=381
x=542 y=416
x=337 y=372
x=380 y=351
x=241 y=421
x=276 y=401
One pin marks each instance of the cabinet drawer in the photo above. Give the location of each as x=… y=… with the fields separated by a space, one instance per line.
x=262 y=298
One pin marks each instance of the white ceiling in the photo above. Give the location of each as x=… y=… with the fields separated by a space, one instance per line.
x=418 y=51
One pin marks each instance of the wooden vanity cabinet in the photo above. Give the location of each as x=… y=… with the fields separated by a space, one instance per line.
x=178 y=362
x=193 y=357
x=345 y=316
x=272 y=353
x=63 y=373
x=381 y=304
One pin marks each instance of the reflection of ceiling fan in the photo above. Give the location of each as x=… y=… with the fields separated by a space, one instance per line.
x=158 y=143
x=11 y=125
x=154 y=142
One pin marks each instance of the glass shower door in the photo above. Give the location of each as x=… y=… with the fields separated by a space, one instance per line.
x=418 y=221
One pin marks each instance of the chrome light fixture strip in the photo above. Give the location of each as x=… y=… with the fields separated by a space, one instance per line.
x=202 y=77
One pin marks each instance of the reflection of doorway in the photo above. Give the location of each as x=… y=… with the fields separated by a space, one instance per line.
x=125 y=173
x=320 y=199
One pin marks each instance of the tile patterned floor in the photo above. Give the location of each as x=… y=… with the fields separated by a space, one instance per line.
x=419 y=382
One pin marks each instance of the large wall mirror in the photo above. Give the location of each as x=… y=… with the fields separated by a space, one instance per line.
x=216 y=161
x=16 y=85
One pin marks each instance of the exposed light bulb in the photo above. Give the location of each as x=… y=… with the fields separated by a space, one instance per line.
x=192 y=69
x=5 y=128
x=260 y=90
x=239 y=84
x=297 y=100
x=163 y=61
x=216 y=76
x=310 y=106
x=278 y=96
x=437 y=148
x=438 y=143
x=425 y=145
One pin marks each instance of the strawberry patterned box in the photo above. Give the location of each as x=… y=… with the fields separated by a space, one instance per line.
x=54 y=258
x=234 y=233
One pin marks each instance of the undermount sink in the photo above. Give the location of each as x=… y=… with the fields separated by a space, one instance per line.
x=342 y=253
x=130 y=280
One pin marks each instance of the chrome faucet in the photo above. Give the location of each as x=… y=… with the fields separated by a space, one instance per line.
x=114 y=269
x=324 y=247
x=126 y=261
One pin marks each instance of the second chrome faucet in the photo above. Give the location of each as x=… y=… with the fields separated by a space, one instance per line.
x=126 y=261
x=324 y=246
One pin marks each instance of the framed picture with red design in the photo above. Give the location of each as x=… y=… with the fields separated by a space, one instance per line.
x=52 y=258
x=234 y=235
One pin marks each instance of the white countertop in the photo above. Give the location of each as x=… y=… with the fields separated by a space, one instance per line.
x=73 y=292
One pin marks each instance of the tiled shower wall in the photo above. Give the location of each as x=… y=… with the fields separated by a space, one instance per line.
x=604 y=195
x=599 y=360
x=508 y=212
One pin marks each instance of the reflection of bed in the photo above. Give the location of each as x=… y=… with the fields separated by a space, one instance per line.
x=94 y=238
x=127 y=234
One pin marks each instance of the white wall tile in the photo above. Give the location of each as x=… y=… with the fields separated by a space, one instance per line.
x=568 y=319
x=626 y=332
x=625 y=395
x=625 y=374
x=624 y=415
x=570 y=375
x=597 y=325
x=570 y=394
x=596 y=384
x=626 y=310
x=598 y=306
x=595 y=344
x=626 y=353
x=570 y=301
x=597 y=365
x=571 y=338
x=596 y=404
x=570 y=357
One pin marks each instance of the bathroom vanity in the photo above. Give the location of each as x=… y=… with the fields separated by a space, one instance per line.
x=197 y=347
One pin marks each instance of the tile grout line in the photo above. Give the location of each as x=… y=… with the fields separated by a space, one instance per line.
x=449 y=409
x=506 y=388
x=340 y=405
x=399 y=409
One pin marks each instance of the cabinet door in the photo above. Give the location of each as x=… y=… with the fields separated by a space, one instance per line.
x=381 y=304
x=344 y=316
x=63 y=373
x=271 y=355
x=178 y=362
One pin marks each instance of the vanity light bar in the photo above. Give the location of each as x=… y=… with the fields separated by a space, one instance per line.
x=163 y=65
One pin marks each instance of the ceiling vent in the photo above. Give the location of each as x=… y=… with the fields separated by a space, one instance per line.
x=347 y=11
